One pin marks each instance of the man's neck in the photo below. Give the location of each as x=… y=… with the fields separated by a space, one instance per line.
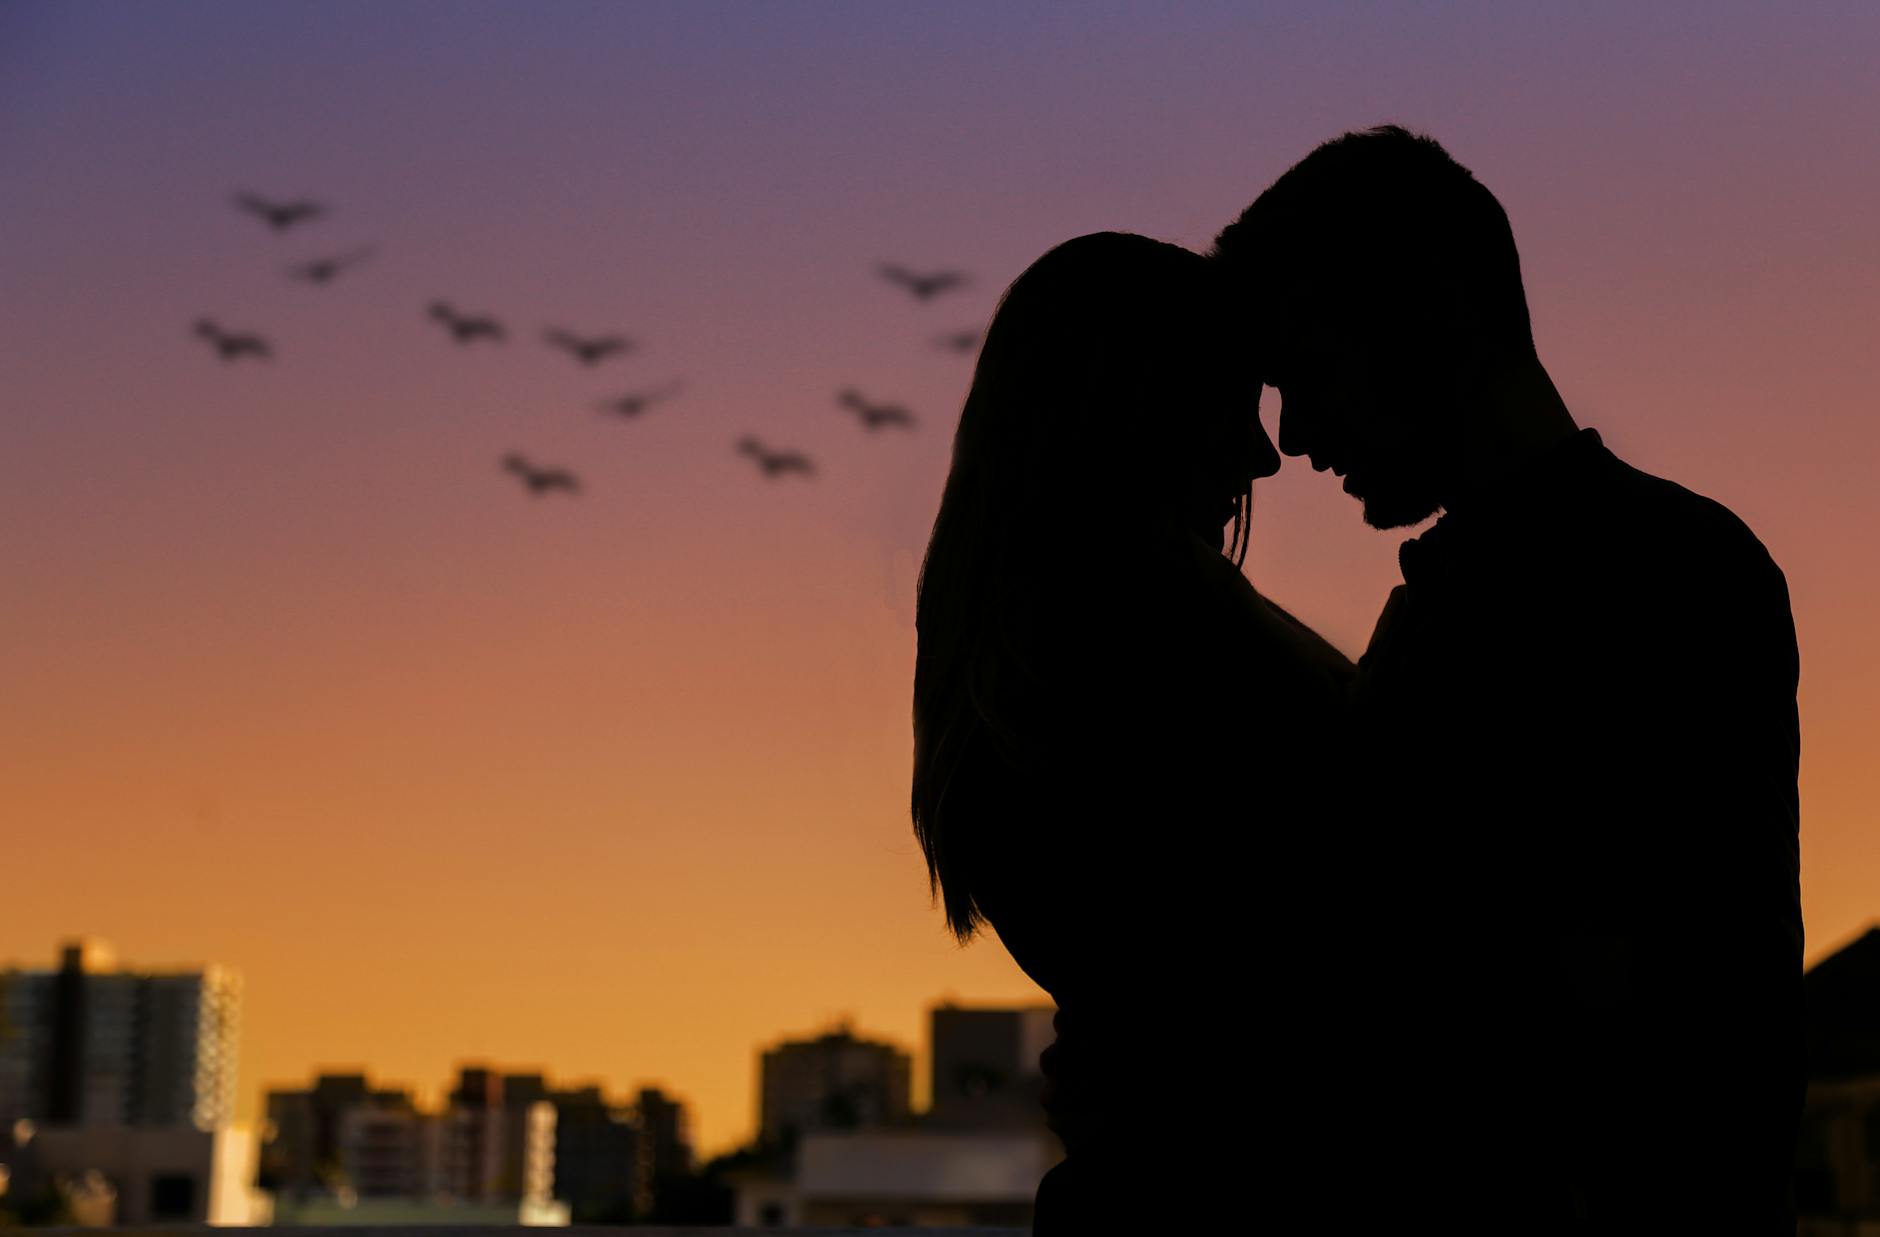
x=1520 y=418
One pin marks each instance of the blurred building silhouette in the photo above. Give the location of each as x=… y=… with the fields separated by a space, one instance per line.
x=973 y=1158
x=504 y=1148
x=490 y=1151
x=1837 y=1158
x=833 y=1082
x=496 y=1138
x=383 y=1147
x=89 y=1044
x=597 y=1156
x=117 y=1087
x=301 y=1155
x=984 y=1066
x=665 y=1149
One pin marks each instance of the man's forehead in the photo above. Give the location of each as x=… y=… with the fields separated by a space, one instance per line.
x=1300 y=323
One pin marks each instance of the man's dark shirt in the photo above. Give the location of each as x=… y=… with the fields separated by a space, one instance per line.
x=1579 y=724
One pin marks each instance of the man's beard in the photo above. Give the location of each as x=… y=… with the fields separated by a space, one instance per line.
x=1398 y=506
x=1404 y=486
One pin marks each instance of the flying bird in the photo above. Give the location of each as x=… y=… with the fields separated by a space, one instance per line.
x=775 y=463
x=874 y=416
x=588 y=350
x=279 y=215
x=958 y=341
x=924 y=287
x=634 y=403
x=540 y=480
x=233 y=345
x=322 y=270
x=465 y=328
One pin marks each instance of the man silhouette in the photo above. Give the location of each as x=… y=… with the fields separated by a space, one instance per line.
x=1578 y=1003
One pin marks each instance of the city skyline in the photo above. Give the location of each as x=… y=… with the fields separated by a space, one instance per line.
x=302 y=681
x=36 y=1025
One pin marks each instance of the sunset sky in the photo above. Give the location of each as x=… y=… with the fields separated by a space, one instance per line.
x=615 y=786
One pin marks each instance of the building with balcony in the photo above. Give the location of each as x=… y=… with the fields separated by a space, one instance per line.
x=117 y=1087
x=90 y=1044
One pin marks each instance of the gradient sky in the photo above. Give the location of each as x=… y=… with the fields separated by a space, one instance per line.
x=616 y=787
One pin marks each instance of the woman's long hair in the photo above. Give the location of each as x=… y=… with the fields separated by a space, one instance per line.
x=1073 y=440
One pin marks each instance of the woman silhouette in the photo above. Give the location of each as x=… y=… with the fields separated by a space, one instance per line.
x=1119 y=746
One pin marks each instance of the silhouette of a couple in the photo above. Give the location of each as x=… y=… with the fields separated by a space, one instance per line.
x=1498 y=930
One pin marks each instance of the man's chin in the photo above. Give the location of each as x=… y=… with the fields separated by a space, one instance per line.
x=1388 y=510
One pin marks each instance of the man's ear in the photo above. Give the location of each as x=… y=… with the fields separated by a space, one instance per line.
x=1470 y=340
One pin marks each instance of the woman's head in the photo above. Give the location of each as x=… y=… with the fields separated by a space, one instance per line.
x=1114 y=373
x=1112 y=401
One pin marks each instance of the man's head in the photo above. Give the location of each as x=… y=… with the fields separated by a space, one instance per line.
x=1388 y=291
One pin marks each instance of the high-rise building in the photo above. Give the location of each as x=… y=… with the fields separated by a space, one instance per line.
x=985 y=1070
x=125 y=1081
x=1837 y=1154
x=91 y=1045
x=665 y=1146
x=496 y=1140
x=833 y=1082
x=25 y=1027
x=597 y=1148
x=302 y=1151
x=383 y=1147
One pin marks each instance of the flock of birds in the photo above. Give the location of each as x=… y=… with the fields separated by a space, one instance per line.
x=467 y=329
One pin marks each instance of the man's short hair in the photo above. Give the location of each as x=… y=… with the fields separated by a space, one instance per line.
x=1384 y=226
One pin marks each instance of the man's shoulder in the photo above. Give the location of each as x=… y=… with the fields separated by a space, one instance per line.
x=1676 y=531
